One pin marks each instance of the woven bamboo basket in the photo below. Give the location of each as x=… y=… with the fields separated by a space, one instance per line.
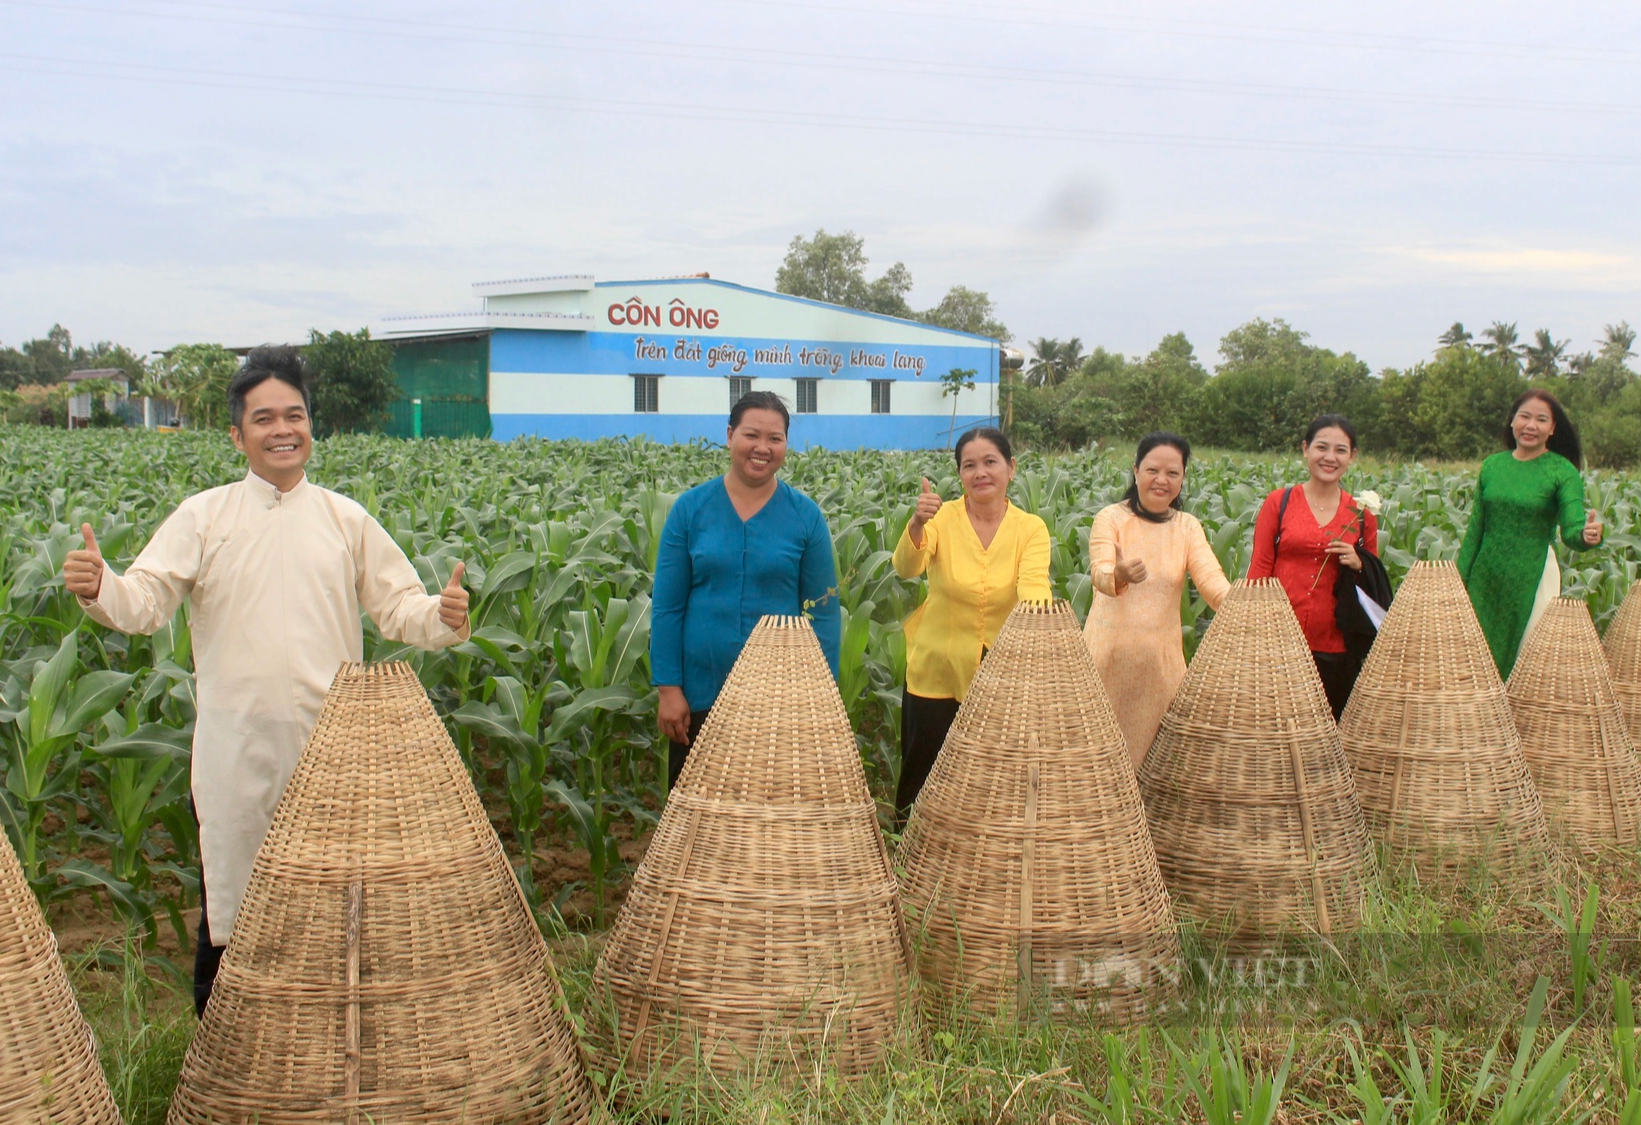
x=763 y=929
x=1439 y=766
x=1572 y=730
x=384 y=966
x=1027 y=868
x=1247 y=790
x=49 y=1073
x=1623 y=646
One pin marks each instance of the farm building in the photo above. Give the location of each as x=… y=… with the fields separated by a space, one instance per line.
x=573 y=357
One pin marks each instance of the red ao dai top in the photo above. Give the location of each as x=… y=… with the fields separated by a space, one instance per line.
x=1302 y=554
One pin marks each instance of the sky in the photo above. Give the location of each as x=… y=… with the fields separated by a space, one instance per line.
x=182 y=170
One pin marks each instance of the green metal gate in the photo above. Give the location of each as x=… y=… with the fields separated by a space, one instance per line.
x=444 y=385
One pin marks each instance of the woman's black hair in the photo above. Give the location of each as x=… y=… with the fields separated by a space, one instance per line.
x=759 y=400
x=1331 y=422
x=1564 y=441
x=988 y=433
x=270 y=361
x=1147 y=444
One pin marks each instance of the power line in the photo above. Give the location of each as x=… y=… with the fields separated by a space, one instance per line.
x=151 y=74
x=717 y=53
x=1311 y=37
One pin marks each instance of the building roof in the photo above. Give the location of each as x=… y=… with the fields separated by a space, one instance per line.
x=86 y=374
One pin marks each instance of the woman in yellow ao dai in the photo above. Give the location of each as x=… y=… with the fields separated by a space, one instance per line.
x=982 y=555
x=1140 y=550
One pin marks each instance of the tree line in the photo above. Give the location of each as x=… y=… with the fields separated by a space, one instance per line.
x=1272 y=381
x=353 y=384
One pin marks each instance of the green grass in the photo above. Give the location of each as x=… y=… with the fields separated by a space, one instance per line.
x=1458 y=1002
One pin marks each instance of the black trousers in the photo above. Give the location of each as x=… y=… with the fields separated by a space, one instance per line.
x=923 y=726
x=677 y=752
x=207 y=957
x=1338 y=671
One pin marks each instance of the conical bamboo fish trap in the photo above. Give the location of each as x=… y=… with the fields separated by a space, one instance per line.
x=1623 y=646
x=763 y=928
x=49 y=1073
x=1439 y=766
x=1572 y=730
x=1028 y=871
x=384 y=966
x=1246 y=787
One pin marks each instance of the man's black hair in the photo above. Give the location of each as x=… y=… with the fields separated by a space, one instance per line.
x=270 y=361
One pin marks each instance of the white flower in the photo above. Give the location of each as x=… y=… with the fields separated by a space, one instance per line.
x=1371 y=500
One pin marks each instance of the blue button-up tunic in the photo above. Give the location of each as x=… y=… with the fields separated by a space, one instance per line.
x=716 y=575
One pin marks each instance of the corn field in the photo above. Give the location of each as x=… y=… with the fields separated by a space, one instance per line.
x=550 y=702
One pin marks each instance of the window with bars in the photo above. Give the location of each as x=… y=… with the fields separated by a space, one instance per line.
x=807 y=394
x=646 y=394
x=738 y=385
x=880 y=395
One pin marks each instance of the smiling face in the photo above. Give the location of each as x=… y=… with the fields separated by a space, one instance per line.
x=984 y=470
x=1328 y=455
x=1159 y=477
x=757 y=447
x=1532 y=424
x=275 y=433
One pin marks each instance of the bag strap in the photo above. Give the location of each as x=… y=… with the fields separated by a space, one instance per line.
x=1281 y=510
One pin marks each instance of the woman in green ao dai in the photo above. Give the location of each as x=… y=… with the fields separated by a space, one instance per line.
x=1522 y=495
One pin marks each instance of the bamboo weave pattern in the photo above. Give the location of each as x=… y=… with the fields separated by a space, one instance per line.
x=1572 y=730
x=764 y=926
x=1439 y=766
x=384 y=966
x=1029 y=875
x=1623 y=648
x=49 y=1073
x=1248 y=792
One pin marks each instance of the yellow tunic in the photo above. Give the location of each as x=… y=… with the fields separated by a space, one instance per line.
x=1134 y=630
x=275 y=583
x=972 y=589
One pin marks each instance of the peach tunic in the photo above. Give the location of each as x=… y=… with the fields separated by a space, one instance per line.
x=1134 y=630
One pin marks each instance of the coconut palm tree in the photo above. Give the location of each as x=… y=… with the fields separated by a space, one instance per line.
x=1455 y=337
x=1054 y=361
x=1544 y=355
x=1618 y=342
x=1500 y=341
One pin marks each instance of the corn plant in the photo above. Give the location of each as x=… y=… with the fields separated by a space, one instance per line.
x=1577 y=923
x=549 y=702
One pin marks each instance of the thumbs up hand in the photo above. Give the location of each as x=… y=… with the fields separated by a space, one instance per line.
x=928 y=505
x=1592 y=527
x=453 y=600
x=1128 y=571
x=83 y=569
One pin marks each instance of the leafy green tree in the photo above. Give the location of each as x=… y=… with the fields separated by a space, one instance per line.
x=887 y=295
x=952 y=384
x=1453 y=407
x=1163 y=391
x=1272 y=383
x=111 y=355
x=832 y=268
x=967 y=310
x=51 y=356
x=196 y=378
x=352 y=381
x=15 y=367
